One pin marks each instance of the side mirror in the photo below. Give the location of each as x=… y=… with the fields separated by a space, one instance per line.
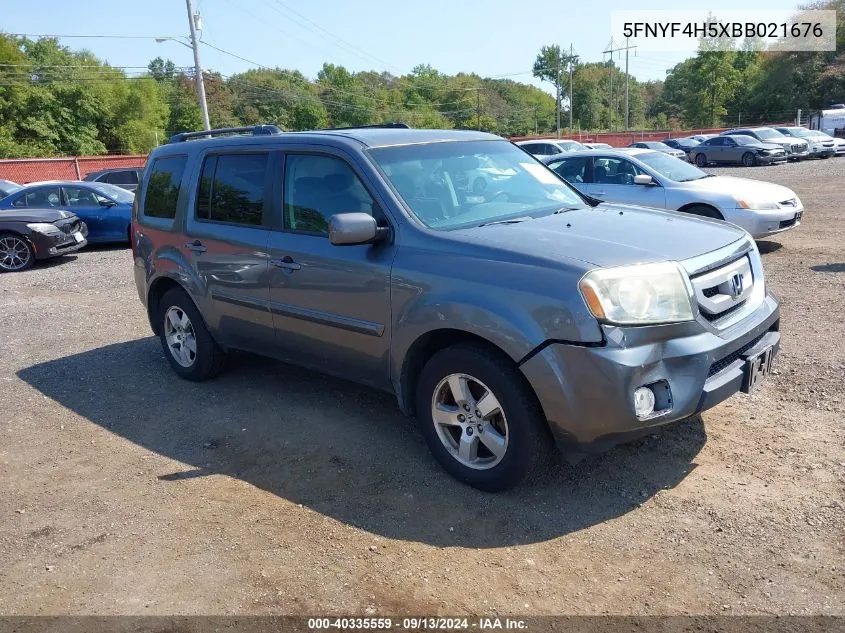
x=643 y=179
x=350 y=229
x=108 y=203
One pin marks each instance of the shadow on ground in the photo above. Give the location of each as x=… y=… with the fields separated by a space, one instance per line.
x=766 y=247
x=343 y=450
x=829 y=268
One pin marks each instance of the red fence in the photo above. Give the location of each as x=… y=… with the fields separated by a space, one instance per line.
x=24 y=170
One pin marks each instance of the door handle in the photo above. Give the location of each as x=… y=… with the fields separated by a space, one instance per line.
x=286 y=262
x=599 y=193
x=196 y=246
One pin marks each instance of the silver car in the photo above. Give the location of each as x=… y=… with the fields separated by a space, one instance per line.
x=550 y=147
x=653 y=179
x=821 y=145
x=657 y=146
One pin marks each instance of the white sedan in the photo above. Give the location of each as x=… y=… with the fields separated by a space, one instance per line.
x=654 y=179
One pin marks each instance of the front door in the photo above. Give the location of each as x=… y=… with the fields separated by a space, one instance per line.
x=613 y=181
x=105 y=221
x=330 y=304
x=228 y=227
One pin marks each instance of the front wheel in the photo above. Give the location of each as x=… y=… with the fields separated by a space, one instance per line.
x=480 y=418
x=748 y=159
x=701 y=160
x=15 y=253
x=188 y=345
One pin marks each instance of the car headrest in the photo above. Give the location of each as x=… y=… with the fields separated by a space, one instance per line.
x=339 y=182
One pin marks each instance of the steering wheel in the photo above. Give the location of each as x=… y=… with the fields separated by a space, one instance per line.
x=499 y=196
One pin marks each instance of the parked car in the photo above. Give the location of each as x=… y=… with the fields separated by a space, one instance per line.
x=549 y=147
x=652 y=179
x=105 y=209
x=739 y=149
x=125 y=178
x=702 y=137
x=795 y=148
x=597 y=145
x=659 y=147
x=821 y=145
x=685 y=144
x=503 y=324
x=27 y=235
x=7 y=187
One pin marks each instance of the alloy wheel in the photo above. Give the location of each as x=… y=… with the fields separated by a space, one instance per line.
x=469 y=421
x=15 y=253
x=180 y=335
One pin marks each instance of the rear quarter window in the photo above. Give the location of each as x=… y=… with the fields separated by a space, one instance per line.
x=163 y=184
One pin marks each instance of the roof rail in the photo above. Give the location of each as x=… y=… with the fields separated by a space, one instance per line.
x=398 y=125
x=254 y=130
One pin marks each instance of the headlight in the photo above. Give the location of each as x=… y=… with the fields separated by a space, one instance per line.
x=756 y=205
x=45 y=228
x=638 y=295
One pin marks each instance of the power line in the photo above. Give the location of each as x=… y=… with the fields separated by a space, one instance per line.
x=120 y=37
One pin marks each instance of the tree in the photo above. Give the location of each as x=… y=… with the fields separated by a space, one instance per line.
x=552 y=64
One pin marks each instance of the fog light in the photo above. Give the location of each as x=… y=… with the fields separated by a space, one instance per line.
x=643 y=402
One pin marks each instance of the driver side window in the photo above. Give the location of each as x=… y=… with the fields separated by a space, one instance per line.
x=615 y=171
x=79 y=197
x=44 y=197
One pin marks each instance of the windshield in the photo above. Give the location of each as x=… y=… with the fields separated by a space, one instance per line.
x=450 y=185
x=671 y=167
x=769 y=134
x=742 y=139
x=115 y=193
x=571 y=146
x=802 y=132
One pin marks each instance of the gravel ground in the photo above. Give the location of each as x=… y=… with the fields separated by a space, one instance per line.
x=274 y=490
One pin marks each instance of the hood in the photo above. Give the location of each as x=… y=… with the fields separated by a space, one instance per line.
x=767 y=145
x=743 y=187
x=608 y=235
x=34 y=215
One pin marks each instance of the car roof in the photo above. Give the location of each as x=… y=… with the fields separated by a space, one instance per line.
x=619 y=152
x=39 y=183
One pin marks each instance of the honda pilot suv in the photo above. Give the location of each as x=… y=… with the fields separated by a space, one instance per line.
x=507 y=315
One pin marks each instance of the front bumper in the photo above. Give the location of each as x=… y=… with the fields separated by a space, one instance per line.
x=763 y=223
x=822 y=152
x=587 y=392
x=799 y=155
x=47 y=246
x=770 y=159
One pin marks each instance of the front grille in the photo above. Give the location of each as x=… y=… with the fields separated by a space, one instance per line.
x=715 y=318
x=786 y=223
x=731 y=358
x=710 y=292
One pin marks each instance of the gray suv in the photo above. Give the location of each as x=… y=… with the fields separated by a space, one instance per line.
x=507 y=318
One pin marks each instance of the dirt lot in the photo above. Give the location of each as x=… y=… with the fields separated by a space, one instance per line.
x=273 y=490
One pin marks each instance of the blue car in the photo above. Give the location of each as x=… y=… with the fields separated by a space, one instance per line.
x=106 y=209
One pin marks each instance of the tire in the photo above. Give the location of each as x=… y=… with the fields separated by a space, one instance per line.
x=748 y=159
x=704 y=211
x=517 y=425
x=701 y=160
x=16 y=253
x=206 y=359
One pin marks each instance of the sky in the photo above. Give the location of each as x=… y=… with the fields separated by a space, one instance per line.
x=493 y=38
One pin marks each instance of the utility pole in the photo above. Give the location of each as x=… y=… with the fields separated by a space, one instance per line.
x=571 y=57
x=478 y=109
x=193 y=18
x=557 y=83
x=612 y=50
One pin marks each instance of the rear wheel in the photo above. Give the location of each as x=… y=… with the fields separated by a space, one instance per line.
x=187 y=343
x=480 y=418
x=15 y=253
x=701 y=160
x=748 y=159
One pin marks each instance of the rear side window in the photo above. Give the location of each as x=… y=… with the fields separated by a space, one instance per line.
x=128 y=177
x=572 y=170
x=163 y=187
x=232 y=188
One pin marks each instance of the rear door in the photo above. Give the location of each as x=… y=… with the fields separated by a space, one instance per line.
x=227 y=230
x=330 y=304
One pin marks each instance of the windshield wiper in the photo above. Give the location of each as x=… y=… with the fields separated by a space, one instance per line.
x=508 y=221
x=565 y=209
